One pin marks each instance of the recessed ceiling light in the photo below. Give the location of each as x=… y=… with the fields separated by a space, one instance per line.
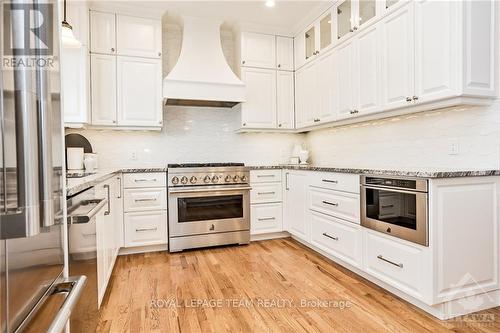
x=270 y=3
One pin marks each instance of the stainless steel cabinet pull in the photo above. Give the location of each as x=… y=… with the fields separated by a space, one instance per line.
x=146 y=229
x=415 y=98
x=267 y=219
x=262 y=193
x=400 y=265
x=286 y=181
x=330 y=203
x=108 y=211
x=144 y=180
x=91 y=234
x=408 y=99
x=119 y=188
x=145 y=200
x=331 y=237
x=330 y=181
x=112 y=49
x=262 y=176
x=387 y=206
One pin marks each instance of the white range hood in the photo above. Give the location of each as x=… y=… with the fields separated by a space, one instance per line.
x=202 y=76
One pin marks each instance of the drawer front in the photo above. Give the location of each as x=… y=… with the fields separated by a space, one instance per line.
x=339 y=238
x=150 y=179
x=264 y=176
x=266 y=218
x=147 y=228
x=266 y=193
x=335 y=181
x=143 y=199
x=339 y=204
x=394 y=263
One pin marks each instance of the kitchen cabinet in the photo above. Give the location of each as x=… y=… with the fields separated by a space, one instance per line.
x=103 y=89
x=344 y=87
x=75 y=82
x=259 y=110
x=145 y=228
x=295 y=204
x=314 y=39
x=139 y=93
x=258 y=50
x=398 y=58
x=306 y=91
x=325 y=97
x=266 y=199
x=266 y=218
x=285 y=105
x=284 y=53
x=102 y=32
x=138 y=36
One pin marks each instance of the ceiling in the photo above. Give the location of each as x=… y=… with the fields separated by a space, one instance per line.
x=285 y=15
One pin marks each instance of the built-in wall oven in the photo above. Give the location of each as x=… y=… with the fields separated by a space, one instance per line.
x=208 y=206
x=396 y=206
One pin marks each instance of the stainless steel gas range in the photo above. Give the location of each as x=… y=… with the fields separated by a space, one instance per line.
x=208 y=205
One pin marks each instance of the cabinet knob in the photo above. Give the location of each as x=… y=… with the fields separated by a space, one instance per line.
x=355 y=28
x=112 y=49
x=243 y=62
x=159 y=54
x=279 y=65
x=415 y=98
x=408 y=99
x=244 y=124
x=351 y=30
x=114 y=121
x=279 y=125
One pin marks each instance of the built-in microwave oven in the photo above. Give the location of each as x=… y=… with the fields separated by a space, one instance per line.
x=396 y=206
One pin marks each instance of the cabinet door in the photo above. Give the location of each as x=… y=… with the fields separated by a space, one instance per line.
x=103 y=89
x=307 y=91
x=136 y=36
x=368 y=78
x=258 y=50
x=326 y=110
x=266 y=218
x=436 y=51
x=397 y=55
x=295 y=220
x=284 y=53
x=102 y=33
x=101 y=256
x=139 y=91
x=344 y=84
x=299 y=50
x=344 y=19
x=118 y=213
x=310 y=43
x=285 y=100
x=325 y=31
x=259 y=110
x=75 y=80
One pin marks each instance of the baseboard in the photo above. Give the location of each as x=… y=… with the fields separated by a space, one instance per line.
x=272 y=235
x=142 y=249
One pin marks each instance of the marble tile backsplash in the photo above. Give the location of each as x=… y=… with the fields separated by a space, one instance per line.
x=190 y=135
x=417 y=141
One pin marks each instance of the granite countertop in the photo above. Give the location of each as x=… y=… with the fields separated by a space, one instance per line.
x=382 y=172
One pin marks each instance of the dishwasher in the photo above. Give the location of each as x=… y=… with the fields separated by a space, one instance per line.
x=83 y=210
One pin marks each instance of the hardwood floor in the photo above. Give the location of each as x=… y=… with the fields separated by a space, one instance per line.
x=268 y=280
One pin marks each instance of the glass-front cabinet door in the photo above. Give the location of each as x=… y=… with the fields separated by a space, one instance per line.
x=344 y=18
x=310 y=42
x=325 y=31
x=367 y=10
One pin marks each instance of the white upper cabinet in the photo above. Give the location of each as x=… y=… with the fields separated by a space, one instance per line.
x=398 y=54
x=102 y=32
x=139 y=92
x=344 y=87
x=103 y=89
x=258 y=50
x=316 y=38
x=326 y=101
x=75 y=82
x=285 y=100
x=284 y=53
x=306 y=92
x=137 y=36
x=344 y=18
x=259 y=110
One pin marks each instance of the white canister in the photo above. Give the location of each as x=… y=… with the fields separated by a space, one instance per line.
x=74 y=158
x=90 y=161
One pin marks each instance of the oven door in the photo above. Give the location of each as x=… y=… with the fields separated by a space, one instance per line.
x=205 y=211
x=399 y=213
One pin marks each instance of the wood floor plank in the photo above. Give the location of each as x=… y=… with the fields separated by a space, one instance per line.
x=239 y=289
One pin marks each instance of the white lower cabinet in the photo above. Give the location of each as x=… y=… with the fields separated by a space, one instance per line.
x=295 y=206
x=143 y=199
x=266 y=218
x=397 y=264
x=145 y=228
x=337 y=237
x=339 y=204
x=266 y=192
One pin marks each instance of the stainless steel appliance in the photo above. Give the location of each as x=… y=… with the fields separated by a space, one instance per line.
x=396 y=206
x=208 y=205
x=31 y=166
x=83 y=210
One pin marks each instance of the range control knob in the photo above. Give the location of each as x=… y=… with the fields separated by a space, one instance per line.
x=206 y=179
x=228 y=179
x=243 y=178
x=184 y=180
x=175 y=180
x=215 y=179
x=236 y=178
x=193 y=180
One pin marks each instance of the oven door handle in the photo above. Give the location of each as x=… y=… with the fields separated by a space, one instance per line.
x=199 y=190
x=391 y=189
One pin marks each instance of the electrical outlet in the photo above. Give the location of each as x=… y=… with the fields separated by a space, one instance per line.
x=454 y=148
x=133 y=156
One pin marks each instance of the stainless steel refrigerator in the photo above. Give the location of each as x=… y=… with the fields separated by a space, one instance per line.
x=34 y=296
